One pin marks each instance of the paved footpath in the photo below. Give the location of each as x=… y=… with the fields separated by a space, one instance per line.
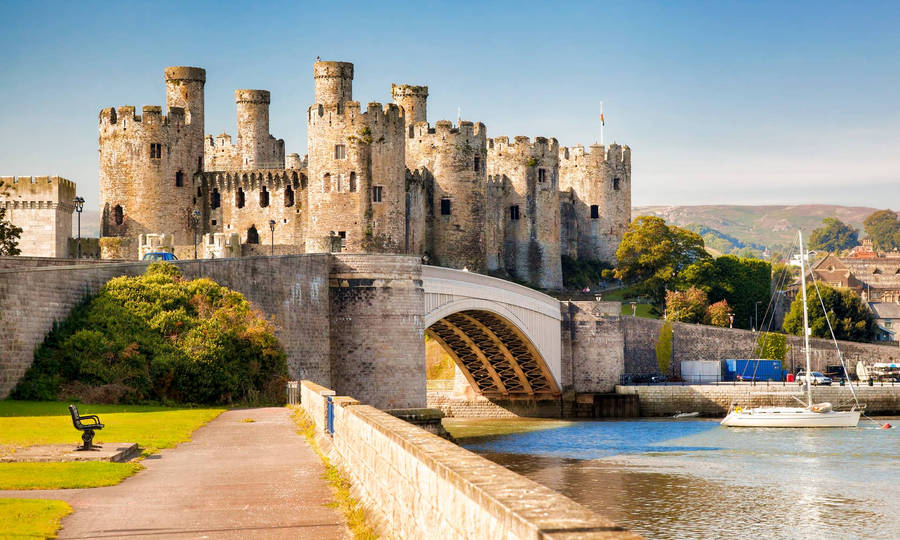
x=234 y=479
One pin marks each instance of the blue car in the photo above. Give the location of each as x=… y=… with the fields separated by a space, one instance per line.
x=159 y=256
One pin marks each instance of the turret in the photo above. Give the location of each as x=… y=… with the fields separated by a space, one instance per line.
x=259 y=150
x=184 y=88
x=413 y=99
x=334 y=82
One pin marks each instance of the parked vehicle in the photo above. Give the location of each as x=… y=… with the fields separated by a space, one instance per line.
x=159 y=256
x=815 y=378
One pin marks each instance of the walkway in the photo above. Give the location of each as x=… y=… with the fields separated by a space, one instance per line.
x=235 y=479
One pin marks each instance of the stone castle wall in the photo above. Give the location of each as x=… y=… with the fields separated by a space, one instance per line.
x=42 y=206
x=255 y=147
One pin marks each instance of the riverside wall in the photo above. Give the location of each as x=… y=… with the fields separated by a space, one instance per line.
x=418 y=485
x=717 y=399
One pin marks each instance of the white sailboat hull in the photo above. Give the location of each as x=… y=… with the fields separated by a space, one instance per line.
x=790 y=417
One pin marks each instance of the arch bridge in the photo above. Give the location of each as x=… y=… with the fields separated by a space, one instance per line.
x=504 y=337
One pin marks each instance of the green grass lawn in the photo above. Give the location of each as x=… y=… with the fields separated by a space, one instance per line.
x=31 y=518
x=643 y=310
x=26 y=423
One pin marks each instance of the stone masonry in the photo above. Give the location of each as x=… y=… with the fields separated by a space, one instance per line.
x=377 y=177
x=42 y=206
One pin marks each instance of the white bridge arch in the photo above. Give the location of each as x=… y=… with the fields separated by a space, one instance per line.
x=504 y=337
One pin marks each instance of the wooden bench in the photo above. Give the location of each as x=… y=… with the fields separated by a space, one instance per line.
x=87 y=429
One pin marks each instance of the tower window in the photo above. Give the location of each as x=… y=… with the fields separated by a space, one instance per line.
x=199 y=191
x=343 y=235
x=264 y=197
x=514 y=212
x=542 y=175
x=352 y=182
x=477 y=163
x=376 y=193
x=340 y=183
x=215 y=199
x=179 y=179
x=326 y=183
x=252 y=235
x=616 y=184
x=445 y=207
x=340 y=151
x=595 y=211
x=239 y=199
x=118 y=214
x=288 y=196
x=155 y=150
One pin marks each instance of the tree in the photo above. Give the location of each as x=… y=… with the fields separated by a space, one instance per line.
x=834 y=236
x=687 y=306
x=884 y=230
x=850 y=318
x=652 y=254
x=718 y=314
x=9 y=233
x=664 y=347
x=742 y=281
x=771 y=346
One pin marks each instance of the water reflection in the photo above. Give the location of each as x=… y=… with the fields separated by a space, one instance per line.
x=694 y=479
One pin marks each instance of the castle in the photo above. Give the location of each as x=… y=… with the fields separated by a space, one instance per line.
x=42 y=206
x=378 y=179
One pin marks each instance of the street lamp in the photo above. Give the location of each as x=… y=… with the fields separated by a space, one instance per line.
x=79 y=206
x=731 y=320
x=272 y=228
x=195 y=224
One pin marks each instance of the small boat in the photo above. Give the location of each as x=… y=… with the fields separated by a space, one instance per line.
x=687 y=414
x=814 y=414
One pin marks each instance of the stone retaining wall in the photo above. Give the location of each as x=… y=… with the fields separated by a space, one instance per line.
x=421 y=486
x=716 y=400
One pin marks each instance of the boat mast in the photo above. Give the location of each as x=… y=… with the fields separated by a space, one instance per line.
x=803 y=256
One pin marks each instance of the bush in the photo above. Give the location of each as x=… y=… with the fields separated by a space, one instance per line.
x=158 y=337
x=579 y=273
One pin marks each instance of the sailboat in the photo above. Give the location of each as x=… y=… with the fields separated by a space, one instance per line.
x=813 y=414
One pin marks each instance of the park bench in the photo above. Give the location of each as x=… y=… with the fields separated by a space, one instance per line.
x=87 y=429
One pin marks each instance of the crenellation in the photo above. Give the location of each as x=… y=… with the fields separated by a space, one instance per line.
x=42 y=206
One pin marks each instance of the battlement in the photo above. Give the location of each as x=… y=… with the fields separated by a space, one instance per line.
x=408 y=90
x=151 y=117
x=221 y=140
x=252 y=96
x=444 y=128
x=598 y=155
x=375 y=116
x=254 y=179
x=332 y=70
x=38 y=189
x=522 y=145
x=185 y=73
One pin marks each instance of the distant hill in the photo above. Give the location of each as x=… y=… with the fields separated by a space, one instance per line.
x=90 y=224
x=752 y=229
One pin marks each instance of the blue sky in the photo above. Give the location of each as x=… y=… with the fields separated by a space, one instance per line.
x=721 y=102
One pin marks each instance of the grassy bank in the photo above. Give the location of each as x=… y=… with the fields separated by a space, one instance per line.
x=31 y=518
x=465 y=428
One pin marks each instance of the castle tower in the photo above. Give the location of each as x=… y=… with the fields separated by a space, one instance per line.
x=356 y=170
x=413 y=99
x=452 y=164
x=259 y=149
x=147 y=162
x=334 y=82
x=598 y=187
x=531 y=235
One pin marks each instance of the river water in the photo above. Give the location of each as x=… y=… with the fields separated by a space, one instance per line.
x=696 y=479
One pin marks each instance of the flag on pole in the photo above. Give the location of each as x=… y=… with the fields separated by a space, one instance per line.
x=602 y=121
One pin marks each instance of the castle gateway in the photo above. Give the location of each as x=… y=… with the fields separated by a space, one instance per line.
x=378 y=179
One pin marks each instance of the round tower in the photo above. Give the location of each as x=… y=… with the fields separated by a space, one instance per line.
x=292 y=161
x=253 y=126
x=184 y=88
x=334 y=82
x=413 y=99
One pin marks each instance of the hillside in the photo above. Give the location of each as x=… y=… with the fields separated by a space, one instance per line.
x=90 y=224
x=753 y=228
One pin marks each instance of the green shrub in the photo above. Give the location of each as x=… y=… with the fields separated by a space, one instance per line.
x=579 y=273
x=161 y=338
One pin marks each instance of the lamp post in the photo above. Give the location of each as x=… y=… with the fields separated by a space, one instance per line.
x=79 y=206
x=195 y=224
x=272 y=228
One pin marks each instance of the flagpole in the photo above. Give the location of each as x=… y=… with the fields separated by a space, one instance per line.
x=602 y=122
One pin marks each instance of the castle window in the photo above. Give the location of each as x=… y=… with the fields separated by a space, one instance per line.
x=445 y=207
x=514 y=212
x=477 y=163
x=376 y=193
x=264 y=197
x=326 y=183
x=288 y=196
x=340 y=151
x=343 y=235
x=352 y=182
x=155 y=150
x=252 y=235
x=213 y=222
x=340 y=183
x=239 y=198
x=118 y=214
x=595 y=211
x=412 y=132
x=216 y=199
x=542 y=175
x=616 y=184
x=179 y=181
